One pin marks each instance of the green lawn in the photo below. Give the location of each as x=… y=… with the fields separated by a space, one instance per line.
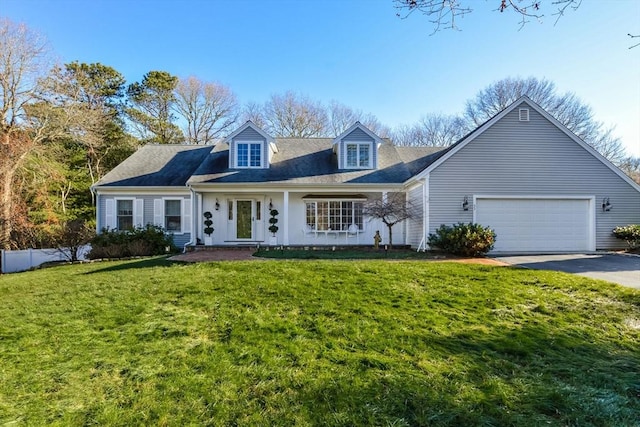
x=341 y=343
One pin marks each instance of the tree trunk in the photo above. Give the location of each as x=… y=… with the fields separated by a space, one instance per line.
x=7 y=208
x=390 y=235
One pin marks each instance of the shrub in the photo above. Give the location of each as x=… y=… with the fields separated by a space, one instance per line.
x=629 y=233
x=463 y=239
x=140 y=241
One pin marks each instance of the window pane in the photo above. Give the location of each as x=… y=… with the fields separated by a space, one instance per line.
x=364 y=156
x=323 y=215
x=125 y=214
x=334 y=216
x=125 y=222
x=357 y=215
x=172 y=216
x=255 y=155
x=243 y=155
x=230 y=207
x=172 y=207
x=352 y=155
x=258 y=210
x=311 y=215
x=125 y=207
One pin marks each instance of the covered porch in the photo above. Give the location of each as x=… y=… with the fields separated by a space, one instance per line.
x=291 y=218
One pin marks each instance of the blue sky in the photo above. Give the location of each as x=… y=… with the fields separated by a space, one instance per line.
x=355 y=51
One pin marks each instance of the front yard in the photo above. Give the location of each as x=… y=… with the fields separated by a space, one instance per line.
x=147 y=342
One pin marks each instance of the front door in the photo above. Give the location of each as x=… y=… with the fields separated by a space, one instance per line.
x=244 y=219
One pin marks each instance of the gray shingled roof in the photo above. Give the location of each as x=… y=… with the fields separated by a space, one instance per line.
x=157 y=166
x=305 y=161
x=298 y=161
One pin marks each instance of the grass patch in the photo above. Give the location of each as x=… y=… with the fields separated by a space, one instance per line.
x=338 y=343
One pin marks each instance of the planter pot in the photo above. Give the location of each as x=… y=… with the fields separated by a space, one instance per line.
x=273 y=241
x=208 y=240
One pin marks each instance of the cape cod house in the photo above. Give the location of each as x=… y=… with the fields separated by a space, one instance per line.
x=540 y=187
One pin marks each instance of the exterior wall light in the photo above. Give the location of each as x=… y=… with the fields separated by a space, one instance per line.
x=217 y=204
x=465 y=203
x=606 y=205
x=270 y=204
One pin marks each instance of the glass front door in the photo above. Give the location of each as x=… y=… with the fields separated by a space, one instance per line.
x=244 y=219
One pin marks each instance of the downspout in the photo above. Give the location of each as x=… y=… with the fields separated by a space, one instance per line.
x=94 y=196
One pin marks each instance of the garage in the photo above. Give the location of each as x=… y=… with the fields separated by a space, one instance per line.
x=532 y=224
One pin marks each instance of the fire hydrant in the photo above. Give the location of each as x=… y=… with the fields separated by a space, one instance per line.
x=377 y=239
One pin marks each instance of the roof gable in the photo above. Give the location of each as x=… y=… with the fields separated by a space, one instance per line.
x=453 y=149
x=249 y=124
x=357 y=126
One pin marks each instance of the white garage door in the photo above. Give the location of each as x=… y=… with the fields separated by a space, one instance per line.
x=537 y=225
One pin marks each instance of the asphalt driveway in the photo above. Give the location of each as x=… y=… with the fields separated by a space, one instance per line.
x=616 y=268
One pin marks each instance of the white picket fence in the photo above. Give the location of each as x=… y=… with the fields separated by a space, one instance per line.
x=14 y=261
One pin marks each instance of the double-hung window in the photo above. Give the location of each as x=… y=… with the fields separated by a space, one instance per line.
x=173 y=215
x=358 y=155
x=125 y=214
x=336 y=215
x=249 y=154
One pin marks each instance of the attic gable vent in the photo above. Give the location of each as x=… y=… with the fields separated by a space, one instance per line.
x=524 y=114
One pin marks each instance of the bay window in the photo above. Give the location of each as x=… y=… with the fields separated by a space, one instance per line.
x=336 y=215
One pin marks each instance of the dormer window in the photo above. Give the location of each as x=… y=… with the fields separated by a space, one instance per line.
x=357 y=148
x=249 y=154
x=358 y=155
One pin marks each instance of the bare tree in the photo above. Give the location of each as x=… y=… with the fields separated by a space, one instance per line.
x=433 y=130
x=254 y=112
x=445 y=14
x=23 y=60
x=341 y=117
x=567 y=108
x=631 y=166
x=391 y=209
x=209 y=109
x=294 y=115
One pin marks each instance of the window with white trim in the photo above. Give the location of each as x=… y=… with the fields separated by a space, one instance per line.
x=124 y=213
x=248 y=154
x=358 y=154
x=173 y=215
x=336 y=215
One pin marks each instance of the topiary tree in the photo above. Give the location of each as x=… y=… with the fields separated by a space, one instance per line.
x=273 y=228
x=208 y=229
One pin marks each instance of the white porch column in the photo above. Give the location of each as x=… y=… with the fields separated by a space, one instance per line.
x=194 y=217
x=285 y=218
x=425 y=211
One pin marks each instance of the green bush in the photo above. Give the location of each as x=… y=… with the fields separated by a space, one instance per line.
x=629 y=233
x=140 y=241
x=463 y=239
